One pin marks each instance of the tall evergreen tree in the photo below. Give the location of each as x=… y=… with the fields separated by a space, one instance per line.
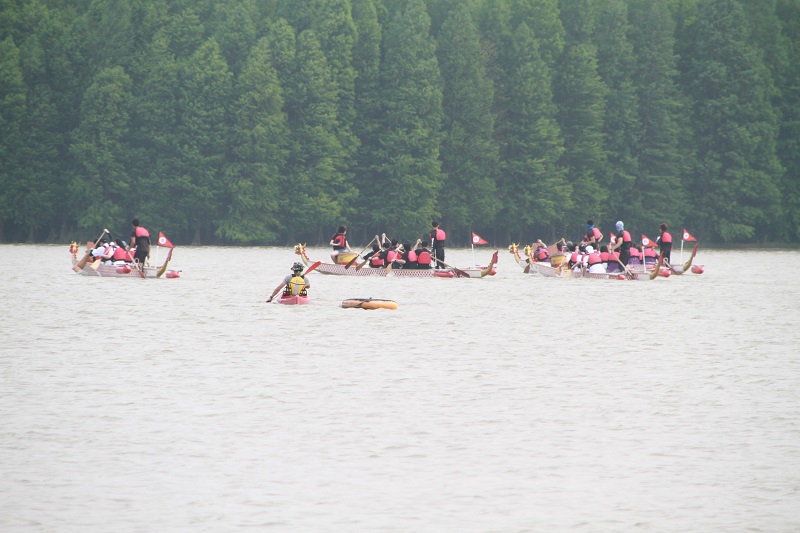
x=580 y=96
x=100 y=149
x=533 y=187
x=12 y=114
x=316 y=186
x=367 y=101
x=206 y=85
x=788 y=144
x=621 y=127
x=409 y=171
x=260 y=134
x=735 y=191
x=658 y=193
x=469 y=155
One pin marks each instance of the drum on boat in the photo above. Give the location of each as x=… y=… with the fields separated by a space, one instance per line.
x=345 y=257
x=368 y=303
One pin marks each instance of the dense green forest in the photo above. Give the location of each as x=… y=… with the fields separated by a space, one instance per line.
x=273 y=121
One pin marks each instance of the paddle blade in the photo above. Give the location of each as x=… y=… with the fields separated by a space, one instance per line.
x=96 y=264
x=312 y=267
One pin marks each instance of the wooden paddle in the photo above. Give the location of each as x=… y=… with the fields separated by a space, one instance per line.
x=458 y=271
x=82 y=263
x=348 y=265
x=628 y=273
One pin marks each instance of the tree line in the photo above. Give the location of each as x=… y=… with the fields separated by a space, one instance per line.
x=274 y=121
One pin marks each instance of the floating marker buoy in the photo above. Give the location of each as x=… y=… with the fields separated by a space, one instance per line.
x=125 y=269
x=697 y=269
x=664 y=272
x=173 y=274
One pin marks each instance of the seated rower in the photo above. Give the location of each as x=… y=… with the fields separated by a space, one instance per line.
x=594 y=261
x=295 y=283
x=424 y=257
x=121 y=255
x=374 y=257
x=408 y=257
x=541 y=253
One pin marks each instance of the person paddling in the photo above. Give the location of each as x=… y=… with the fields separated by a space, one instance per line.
x=665 y=242
x=295 y=283
x=622 y=242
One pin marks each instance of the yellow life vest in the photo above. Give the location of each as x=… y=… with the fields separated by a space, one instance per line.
x=296 y=286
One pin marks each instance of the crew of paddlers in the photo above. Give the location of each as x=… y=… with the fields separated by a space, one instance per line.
x=591 y=255
x=425 y=253
x=118 y=252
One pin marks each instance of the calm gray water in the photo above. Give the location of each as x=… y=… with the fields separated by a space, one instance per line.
x=512 y=403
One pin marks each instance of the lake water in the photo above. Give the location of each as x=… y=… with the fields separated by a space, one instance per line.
x=504 y=404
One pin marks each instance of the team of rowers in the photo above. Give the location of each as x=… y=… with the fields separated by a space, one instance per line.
x=423 y=254
x=594 y=257
x=116 y=251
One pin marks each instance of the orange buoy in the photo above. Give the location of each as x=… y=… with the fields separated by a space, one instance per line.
x=697 y=269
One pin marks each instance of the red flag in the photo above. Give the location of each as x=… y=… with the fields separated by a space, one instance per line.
x=612 y=237
x=476 y=239
x=647 y=243
x=163 y=241
x=687 y=237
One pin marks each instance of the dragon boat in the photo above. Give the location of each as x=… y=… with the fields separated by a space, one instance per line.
x=86 y=267
x=341 y=269
x=557 y=268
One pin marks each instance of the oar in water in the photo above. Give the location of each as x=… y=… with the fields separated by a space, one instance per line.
x=82 y=263
x=628 y=273
x=458 y=271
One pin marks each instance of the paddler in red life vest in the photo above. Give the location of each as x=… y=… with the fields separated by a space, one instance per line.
x=424 y=258
x=665 y=242
x=339 y=243
x=140 y=238
x=622 y=243
x=541 y=253
x=409 y=256
x=594 y=261
x=121 y=255
x=295 y=283
x=374 y=257
x=438 y=238
x=593 y=235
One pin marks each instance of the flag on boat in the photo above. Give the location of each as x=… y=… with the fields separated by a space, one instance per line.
x=687 y=237
x=612 y=237
x=163 y=241
x=476 y=239
x=647 y=243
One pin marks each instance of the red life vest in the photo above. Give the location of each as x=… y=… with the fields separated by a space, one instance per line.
x=594 y=258
x=604 y=257
x=650 y=252
x=542 y=254
x=424 y=257
x=411 y=256
x=142 y=232
x=339 y=240
x=120 y=254
x=574 y=257
x=666 y=238
x=376 y=261
x=439 y=235
x=391 y=255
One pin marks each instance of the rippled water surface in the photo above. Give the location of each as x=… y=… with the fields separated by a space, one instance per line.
x=511 y=403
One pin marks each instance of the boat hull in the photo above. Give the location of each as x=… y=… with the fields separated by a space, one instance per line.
x=294 y=300
x=123 y=271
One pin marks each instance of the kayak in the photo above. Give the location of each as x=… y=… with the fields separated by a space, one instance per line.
x=294 y=300
x=368 y=303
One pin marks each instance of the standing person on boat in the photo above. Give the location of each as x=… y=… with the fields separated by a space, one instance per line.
x=593 y=235
x=438 y=238
x=424 y=259
x=295 y=283
x=339 y=243
x=140 y=238
x=622 y=242
x=665 y=242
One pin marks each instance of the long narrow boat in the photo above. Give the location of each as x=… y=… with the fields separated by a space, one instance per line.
x=450 y=272
x=86 y=268
x=545 y=269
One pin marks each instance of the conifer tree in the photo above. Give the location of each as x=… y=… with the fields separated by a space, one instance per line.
x=469 y=155
x=259 y=151
x=408 y=168
x=735 y=193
